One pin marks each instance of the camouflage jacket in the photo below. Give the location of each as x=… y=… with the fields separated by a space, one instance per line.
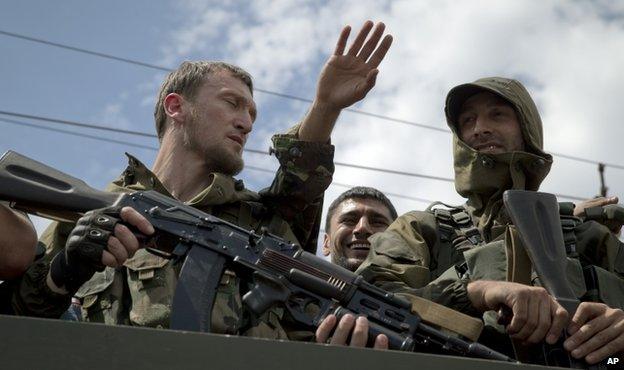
x=140 y=293
x=415 y=256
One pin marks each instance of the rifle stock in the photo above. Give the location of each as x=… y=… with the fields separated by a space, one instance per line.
x=536 y=217
x=33 y=187
x=307 y=286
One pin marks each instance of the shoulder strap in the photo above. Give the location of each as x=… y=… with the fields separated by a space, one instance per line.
x=456 y=233
x=568 y=223
x=456 y=226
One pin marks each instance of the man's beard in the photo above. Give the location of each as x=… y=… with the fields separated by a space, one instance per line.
x=217 y=157
x=343 y=261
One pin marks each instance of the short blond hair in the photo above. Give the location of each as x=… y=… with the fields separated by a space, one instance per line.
x=186 y=81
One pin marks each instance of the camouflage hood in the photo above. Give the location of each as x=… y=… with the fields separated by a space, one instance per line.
x=482 y=178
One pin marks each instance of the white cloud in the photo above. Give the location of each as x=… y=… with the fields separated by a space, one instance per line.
x=567 y=53
x=113 y=114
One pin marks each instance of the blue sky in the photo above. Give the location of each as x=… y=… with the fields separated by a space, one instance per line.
x=569 y=54
x=57 y=83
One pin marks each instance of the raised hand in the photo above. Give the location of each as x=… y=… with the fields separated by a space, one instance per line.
x=347 y=78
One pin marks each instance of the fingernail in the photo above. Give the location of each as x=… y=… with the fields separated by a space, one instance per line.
x=568 y=344
x=551 y=338
x=575 y=353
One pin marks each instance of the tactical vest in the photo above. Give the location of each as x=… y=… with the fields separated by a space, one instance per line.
x=457 y=234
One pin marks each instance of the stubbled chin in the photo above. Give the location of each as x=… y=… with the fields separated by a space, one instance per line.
x=353 y=263
x=359 y=254
x=496 y=150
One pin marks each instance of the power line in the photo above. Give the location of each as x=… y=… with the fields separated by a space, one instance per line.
x=395 y=172
x=165 y=69
x=279 y=94
x=78 y=124
x=417 y=199
x=84 y=51
x=348 y=186
x=99 y=138
x=247 y=167
x=590 y=161
x=255 y=151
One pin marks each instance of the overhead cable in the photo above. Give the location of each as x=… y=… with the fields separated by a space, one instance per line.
x=279 y=94
x=79 y=124
x=348 y=186
x=165 y=69
x=283 y=95
x=255 y=151
x=78 y=134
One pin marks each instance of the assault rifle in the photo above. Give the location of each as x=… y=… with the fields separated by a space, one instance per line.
x=309 y=287
x=536 y=216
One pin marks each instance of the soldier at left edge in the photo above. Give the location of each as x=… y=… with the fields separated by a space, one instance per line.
x=18 y=247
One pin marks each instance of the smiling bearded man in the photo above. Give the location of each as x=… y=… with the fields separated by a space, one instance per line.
x=351 y=219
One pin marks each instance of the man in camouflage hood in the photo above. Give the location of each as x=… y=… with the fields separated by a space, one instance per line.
x=486 y=162
x=457 y=256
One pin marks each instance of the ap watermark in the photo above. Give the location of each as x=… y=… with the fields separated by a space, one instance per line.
x=614 y=363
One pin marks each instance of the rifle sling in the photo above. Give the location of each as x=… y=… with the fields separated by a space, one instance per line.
x=446 y=318
x=519 y=269
x=519 y=264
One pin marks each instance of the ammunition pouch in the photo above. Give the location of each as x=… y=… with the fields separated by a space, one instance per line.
x=488 y=262
x=96 y=297
x=151 y=285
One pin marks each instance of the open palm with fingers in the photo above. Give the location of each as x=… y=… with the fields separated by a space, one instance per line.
x=347 y=78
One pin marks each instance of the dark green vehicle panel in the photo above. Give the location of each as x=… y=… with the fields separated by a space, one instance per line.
x=29 y=343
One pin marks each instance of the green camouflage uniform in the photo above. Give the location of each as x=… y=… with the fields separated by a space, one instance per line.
x=140 y=293
x=414 y=255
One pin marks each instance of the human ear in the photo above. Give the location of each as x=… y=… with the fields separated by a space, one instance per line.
x=173 y=105
x=326 y=247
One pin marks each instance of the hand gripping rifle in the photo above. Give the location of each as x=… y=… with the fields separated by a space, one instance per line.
x=536 y=217
x=309 y=287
